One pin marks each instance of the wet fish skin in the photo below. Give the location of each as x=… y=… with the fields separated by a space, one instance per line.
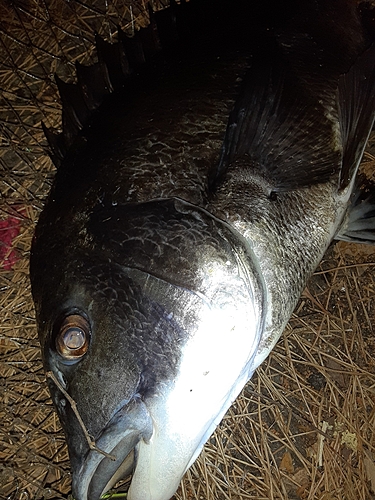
x=301 y=228
x=186 y=271
x=89 y=259
x=141 y=324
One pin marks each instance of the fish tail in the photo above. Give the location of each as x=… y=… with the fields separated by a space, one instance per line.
x=359 y=224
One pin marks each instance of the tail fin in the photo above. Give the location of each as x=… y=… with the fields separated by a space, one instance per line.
x=359 y=226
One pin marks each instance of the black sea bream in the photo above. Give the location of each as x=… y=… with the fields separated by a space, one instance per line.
x=187 y=212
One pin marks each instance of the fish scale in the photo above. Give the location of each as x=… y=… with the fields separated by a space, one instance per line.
x=295 y=224
x=186 y=215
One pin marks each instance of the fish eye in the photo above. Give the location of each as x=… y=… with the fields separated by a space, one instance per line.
x=72 y=340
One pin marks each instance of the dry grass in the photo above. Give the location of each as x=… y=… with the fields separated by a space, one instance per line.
x=303 y=428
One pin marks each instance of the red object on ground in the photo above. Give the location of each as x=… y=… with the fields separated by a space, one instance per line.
x=9 y=230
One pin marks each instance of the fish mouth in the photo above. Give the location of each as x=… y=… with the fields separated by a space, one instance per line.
x=108 y=469
x=99 y=472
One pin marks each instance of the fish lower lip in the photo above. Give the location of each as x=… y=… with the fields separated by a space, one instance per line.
x=97 y=473
x=109 y=469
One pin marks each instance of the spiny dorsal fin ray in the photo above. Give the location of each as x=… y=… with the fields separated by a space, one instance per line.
x=134 y=49
x=74 y=106
x=112 y=56
x=149 y=38
x=93 y=81
x=116 y=62
x=56 y=143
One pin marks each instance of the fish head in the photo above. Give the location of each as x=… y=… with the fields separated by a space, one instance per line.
x=148 y=330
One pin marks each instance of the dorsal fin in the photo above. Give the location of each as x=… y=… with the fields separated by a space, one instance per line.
x=112 y=56
x=75 y=112
x=301 y=108
x=93 y=81
x=279 y=129
x=116 y=62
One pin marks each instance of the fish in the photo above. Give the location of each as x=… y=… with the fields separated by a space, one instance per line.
x=197 y=189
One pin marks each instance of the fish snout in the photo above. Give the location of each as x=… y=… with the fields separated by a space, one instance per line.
x=115 y=454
